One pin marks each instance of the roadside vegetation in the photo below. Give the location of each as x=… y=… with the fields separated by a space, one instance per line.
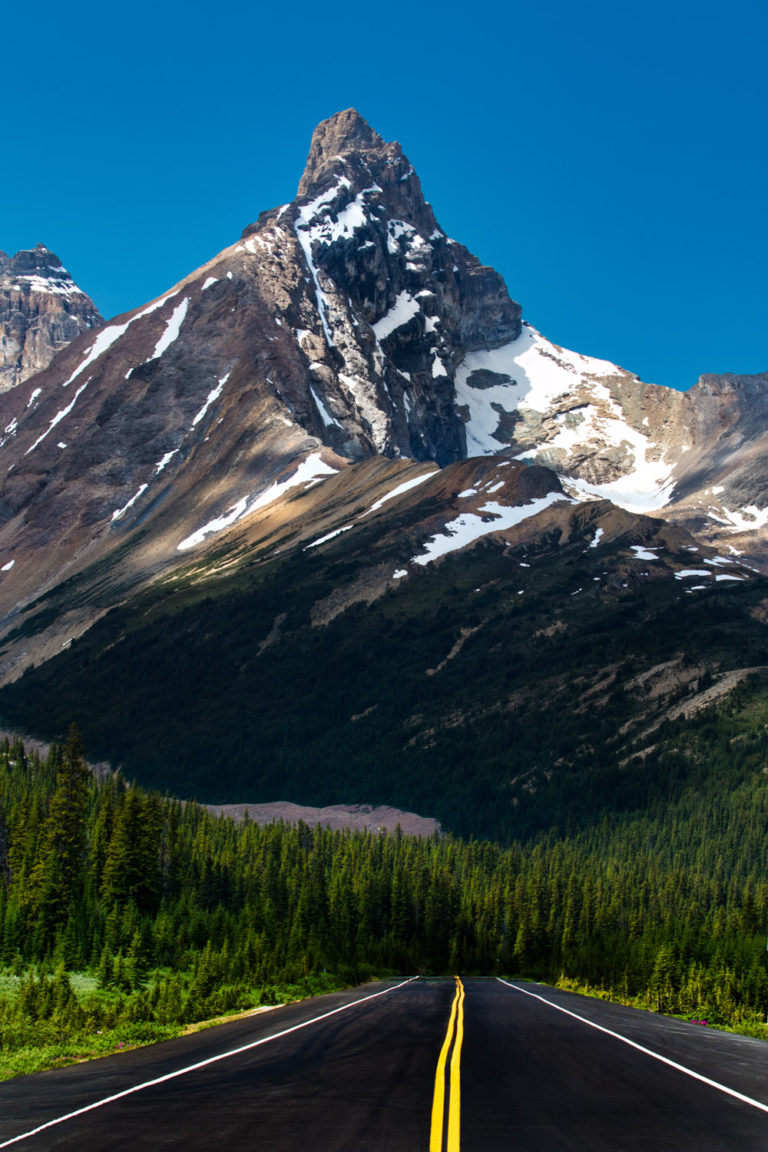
x=50 y=1019
x=126 y=915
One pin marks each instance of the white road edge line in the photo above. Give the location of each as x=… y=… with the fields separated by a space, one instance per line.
x=200 y=1064
x=640 y=1048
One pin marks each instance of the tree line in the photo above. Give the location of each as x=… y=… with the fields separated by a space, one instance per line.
x=178 y=914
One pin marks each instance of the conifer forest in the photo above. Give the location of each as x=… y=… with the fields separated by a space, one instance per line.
x=125 y=915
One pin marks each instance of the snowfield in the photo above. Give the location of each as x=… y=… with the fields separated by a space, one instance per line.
x=536 y=375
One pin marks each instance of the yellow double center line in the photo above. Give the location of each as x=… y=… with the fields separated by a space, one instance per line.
x=455 y=1023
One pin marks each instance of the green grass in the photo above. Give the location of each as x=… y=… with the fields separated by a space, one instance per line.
x=28 y=1046
x=37 y=1046
x=749 y=1025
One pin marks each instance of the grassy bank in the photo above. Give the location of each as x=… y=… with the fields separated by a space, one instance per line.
x=57 y=1028
x=742 y=1023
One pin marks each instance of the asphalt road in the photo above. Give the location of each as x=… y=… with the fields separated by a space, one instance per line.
x=526 y=1068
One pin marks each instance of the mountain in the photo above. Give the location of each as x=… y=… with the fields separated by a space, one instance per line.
x=467 y=643
x=332 y=479
x=41 y=311
x=695 y=457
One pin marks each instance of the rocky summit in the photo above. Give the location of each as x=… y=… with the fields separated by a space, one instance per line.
x=41 y=311
x=399 y=304
x=340 y=330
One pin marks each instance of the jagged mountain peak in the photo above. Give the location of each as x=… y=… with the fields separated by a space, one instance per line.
x=337 y=136
x=391 y=304
x=343 y=327
x=42 y=310
x=335 y=141
x=38 y=257
x=38 y=261
x=29 y=260
x=348 y=155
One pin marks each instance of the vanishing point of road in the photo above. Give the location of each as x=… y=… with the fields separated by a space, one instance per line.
x=412 y=1066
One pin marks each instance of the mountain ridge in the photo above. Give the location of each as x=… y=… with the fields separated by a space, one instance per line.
x=347 y=390
x=321 y=656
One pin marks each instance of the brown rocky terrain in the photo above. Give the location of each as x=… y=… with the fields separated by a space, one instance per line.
x=358 y=817
x=321 y=338
x=343 y=342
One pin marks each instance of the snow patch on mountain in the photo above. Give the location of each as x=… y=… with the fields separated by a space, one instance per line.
x=647 y=488
x=174 y=324
x=211 y=398
x=468 y=527
x=686 y=573
x=107 y=337
x=748 y=519
x=118 y=515
x=325 y=415
x=311 y=471
x=161 y=464
x=404 y=309
x=348 y=220
x=58 y=287
x=395 y=230
x=329 y=536
x=172 y=329
x=362 y=390
x=642 y=553
x=398 y=491
x=530 y=378
x=306 y=232
x=537 y=372
x=60 y=415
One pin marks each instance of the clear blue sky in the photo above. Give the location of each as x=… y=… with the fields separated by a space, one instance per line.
x=608 y=157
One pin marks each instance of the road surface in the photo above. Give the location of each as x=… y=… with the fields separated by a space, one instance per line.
x=416 y=1066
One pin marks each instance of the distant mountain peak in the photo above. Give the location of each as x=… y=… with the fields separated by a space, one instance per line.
x=37 y=259
x=42 y=310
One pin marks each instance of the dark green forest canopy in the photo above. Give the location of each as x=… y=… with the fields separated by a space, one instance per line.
x=668 y=903
x=484 y=692
x=601 y=827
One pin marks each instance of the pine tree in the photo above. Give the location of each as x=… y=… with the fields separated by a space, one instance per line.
x=56 y=881
x=131 y=859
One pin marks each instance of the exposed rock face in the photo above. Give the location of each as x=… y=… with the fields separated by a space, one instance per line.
x=342 y=327
x=330 y=333
x=360 y=817
x=399 y=303
x=695 y=457
x=41 y=311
